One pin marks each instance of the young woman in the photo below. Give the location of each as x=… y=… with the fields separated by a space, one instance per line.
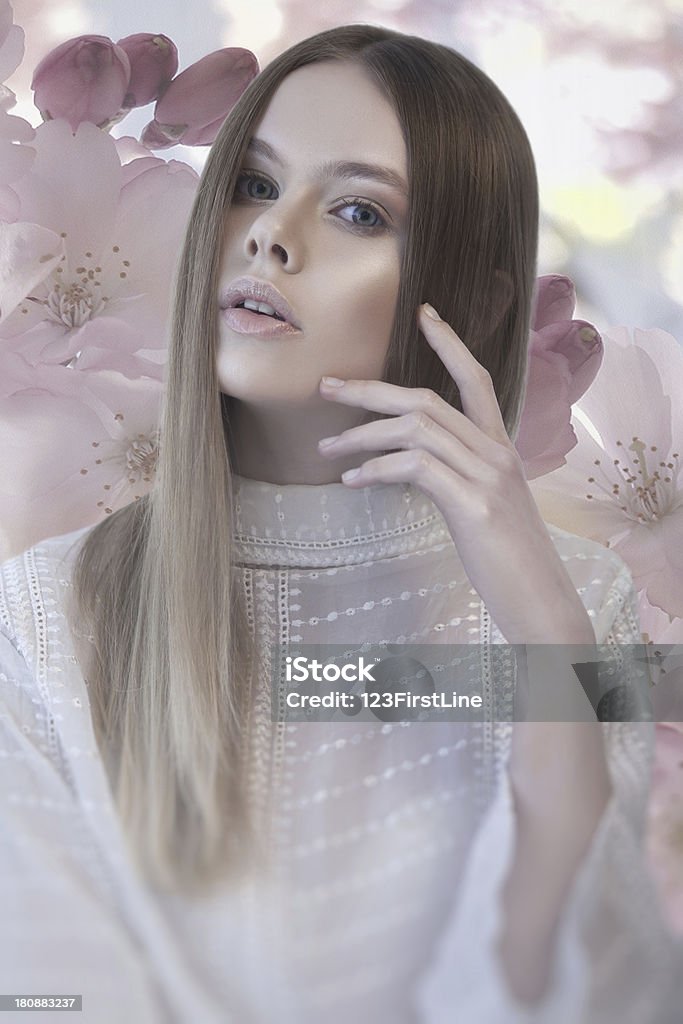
x=174 y=847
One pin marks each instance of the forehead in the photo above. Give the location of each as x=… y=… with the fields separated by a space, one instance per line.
x=333 y=110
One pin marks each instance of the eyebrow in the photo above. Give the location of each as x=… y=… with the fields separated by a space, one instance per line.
x=339 y=168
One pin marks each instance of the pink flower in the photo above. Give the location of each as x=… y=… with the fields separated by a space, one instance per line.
x=11 y=42
x=153 y=63
x=77 y=446
x=93 y=241
x=564 y=357
x=84 y=79
x=15 y=158
x=197 y=102
x=621 y=484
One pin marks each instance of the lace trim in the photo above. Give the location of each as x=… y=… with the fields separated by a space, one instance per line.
x=277 y=553
x=338 y=542
x=39 y=619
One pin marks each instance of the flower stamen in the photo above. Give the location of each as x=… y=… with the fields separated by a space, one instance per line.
x=646 y=500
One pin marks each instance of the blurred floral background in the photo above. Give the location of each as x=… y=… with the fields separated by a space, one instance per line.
x=94 y=198
x=598 y=88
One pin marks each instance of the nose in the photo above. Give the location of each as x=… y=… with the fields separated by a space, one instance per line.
x=269 y=238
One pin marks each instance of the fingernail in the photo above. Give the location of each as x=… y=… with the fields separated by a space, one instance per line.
x=324 y=441
x=350 y=474
x=430 y=311
x=333 y=382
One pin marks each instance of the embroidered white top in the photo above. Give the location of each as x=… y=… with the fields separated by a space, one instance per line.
x=389 y=840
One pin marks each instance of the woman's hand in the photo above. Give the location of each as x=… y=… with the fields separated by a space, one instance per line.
x=468 y=466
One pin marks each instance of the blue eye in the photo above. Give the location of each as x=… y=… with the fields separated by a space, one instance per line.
x=250 y=179
x=364 y=208
x=366 y=218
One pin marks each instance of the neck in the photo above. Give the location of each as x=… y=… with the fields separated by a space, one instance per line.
x=280 y=446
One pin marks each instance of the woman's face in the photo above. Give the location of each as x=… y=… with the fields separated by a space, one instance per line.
x=320 y=213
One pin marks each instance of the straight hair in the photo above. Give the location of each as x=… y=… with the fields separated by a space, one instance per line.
x=172 y=659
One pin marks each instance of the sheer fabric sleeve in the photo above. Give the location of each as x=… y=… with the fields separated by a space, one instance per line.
x=615 y=960
x=59 y=933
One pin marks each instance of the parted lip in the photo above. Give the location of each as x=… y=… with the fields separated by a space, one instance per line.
x=251 y=288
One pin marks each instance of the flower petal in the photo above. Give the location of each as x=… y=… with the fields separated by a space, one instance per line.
x=631 y=394
x=73 y=185
x=28 y=253
x=87 y=441
x=654 y=553
x=207 y=89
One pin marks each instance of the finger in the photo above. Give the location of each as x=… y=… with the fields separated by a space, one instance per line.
x=474 y=382
x=417 y=467
x=380 y=396
x=414 y=430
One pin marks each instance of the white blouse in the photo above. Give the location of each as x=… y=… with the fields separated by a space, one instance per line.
x=388 y=841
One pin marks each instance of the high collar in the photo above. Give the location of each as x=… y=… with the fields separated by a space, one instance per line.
x=317 y=525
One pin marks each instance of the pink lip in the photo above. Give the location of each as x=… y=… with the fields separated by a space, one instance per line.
x=245 y=321
x=263 y=291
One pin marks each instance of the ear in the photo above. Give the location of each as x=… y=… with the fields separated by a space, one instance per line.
x=503 y=294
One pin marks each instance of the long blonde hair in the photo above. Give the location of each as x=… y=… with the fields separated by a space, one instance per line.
x=155 y=584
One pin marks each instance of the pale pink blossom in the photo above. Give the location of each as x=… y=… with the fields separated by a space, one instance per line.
x=83 y=79
x=15 y=156
x=15 y=132
x=11 y=41
x=153 y=63
x=625 y=490
x=564 y=357
x=658 y=626
x=77 y=446
x=120 y=229
x=27 y=253
x=198 y=100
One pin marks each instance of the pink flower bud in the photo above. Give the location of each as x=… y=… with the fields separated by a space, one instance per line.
x=84 y=79
x=161 y=136
x=153 y=63
x=555 y=300
x=564 y=358
x=196 y=103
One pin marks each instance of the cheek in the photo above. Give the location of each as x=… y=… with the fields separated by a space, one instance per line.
x=375 y=299
x=236 y=225
x=363 y=315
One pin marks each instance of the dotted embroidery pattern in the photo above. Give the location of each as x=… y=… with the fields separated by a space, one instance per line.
x=391 y=796
x=272 y=551
x=372 y=875
x=413 y=809
x=339 y=743
x=315 y=572
x=8 y=586
x=259 y=776
x=32 y=563
x=45 y=656
x=282 y=688
x=248 y=597
x=386 y=602
x=370 y=781
x=487 y=737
